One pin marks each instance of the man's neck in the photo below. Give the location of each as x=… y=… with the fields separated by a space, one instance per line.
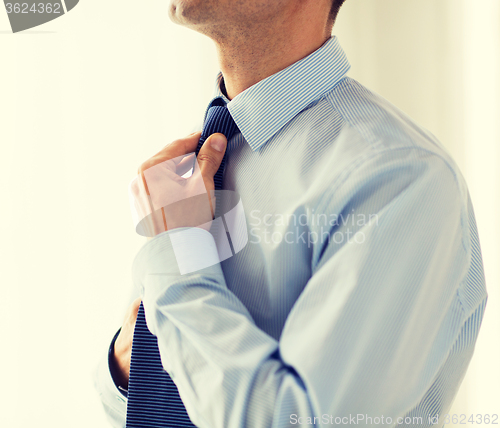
x=246 y=60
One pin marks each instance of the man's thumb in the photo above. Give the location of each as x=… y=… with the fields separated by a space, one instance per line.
x=211 y=154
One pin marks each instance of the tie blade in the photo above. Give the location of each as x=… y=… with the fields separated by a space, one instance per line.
x=153 y=399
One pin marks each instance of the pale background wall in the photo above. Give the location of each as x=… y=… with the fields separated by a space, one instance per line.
x=86 y=98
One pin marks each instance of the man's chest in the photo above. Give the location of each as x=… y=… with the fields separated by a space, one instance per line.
x=278 y=202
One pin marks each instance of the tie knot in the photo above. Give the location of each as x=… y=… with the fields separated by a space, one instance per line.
x=219 y=120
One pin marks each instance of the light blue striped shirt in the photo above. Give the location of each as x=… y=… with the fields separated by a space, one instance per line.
x=361 y=290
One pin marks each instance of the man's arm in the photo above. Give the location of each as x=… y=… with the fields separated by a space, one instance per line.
x=113 y=400
x=369 y=333
x=110 y=376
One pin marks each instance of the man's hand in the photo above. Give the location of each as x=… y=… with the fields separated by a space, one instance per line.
x=123 y=343
x=189 y=214
x=196 y=210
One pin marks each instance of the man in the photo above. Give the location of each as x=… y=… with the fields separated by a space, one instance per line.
x=360 y=293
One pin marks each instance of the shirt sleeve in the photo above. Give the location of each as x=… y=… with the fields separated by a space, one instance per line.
x=370 y=331
x=114 y=400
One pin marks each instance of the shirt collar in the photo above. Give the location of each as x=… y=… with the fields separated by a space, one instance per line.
x=263 y=109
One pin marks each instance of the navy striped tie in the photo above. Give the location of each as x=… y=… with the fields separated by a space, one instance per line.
x=153 y=398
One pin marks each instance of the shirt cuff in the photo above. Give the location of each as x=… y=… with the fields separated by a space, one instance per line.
x=113 y=370
x=176 y=252
x=113 y=400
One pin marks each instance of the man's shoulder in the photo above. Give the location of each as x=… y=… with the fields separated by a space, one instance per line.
x=352 y=139
x=381 y=129
x=377 y=120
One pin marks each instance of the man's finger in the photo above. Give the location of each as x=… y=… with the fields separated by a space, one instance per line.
x=173 y=150
x=210 y=157
x=180 y=147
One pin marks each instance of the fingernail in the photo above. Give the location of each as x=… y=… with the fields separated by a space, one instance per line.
x=218 y=142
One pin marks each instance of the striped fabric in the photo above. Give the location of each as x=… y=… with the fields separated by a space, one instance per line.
x=360 y=293
x=153 y=399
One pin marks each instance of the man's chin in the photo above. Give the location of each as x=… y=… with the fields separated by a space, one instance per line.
x=173 y=11
x=188 y=13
